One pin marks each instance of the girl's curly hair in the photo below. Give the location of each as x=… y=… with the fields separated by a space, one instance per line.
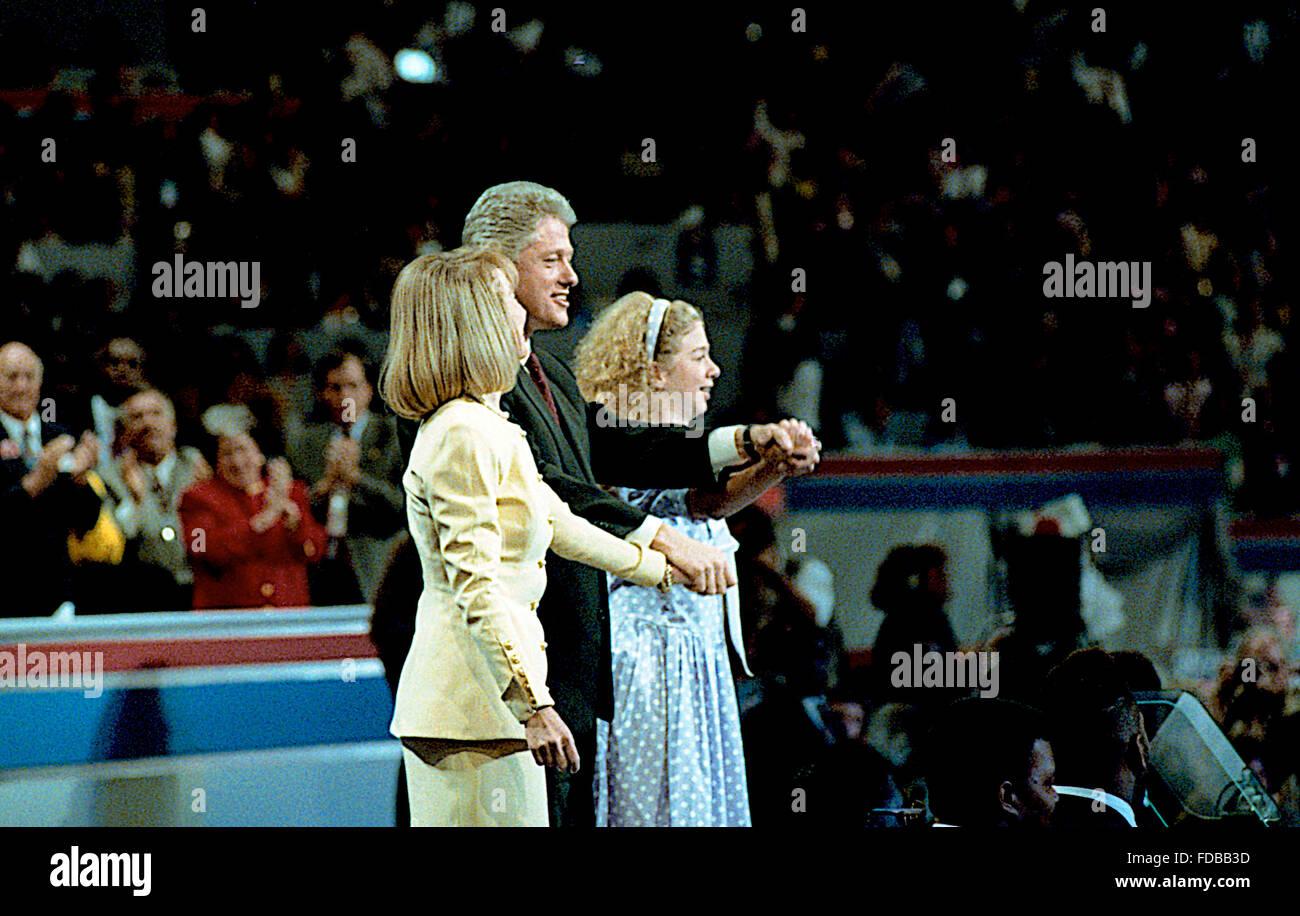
x=611 y=358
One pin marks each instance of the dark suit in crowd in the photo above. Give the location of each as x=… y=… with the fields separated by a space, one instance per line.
x=376 y=511
x=34 y=534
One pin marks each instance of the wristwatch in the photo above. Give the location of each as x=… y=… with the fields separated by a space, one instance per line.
x=747 y=443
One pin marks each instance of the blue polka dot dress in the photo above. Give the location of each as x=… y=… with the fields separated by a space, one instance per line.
x=672 y=755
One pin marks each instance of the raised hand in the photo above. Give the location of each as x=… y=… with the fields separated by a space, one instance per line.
x=47 y=465
x=129 y=467
x=770 y=436
x=349 y=461
x=805 y=449
x=201 y=469
x=85 y=456
x=342 y=465
x=278 y=503
x=278 y=478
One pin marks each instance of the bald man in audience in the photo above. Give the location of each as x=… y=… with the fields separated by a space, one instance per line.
x=43 y=493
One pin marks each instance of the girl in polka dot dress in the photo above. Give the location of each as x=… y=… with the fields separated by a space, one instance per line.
x=672 y=756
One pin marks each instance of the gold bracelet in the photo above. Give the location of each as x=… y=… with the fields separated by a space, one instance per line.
x=666 y=583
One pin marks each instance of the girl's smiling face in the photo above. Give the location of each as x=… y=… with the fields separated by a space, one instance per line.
x=687 y=375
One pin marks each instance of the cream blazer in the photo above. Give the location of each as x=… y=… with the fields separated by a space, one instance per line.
x=482 y=520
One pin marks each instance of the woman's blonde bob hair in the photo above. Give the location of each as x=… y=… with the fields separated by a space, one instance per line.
x=448 y=335
x=611 y=362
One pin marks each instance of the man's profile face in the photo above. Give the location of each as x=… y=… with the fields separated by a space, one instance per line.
x=546 y=275
x=20 y=381
x=1040 y=799
x=346 y=391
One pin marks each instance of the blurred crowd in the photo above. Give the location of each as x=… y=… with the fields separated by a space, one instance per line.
x=927 y=168
x=849 y=739
x=182 y=453
x=925 y=196
x=111 y=506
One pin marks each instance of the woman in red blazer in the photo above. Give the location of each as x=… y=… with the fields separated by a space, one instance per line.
x=249 y=530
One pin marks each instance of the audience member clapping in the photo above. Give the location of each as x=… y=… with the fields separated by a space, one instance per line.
x=351 y=457
x=249 y=530
x=43 y=492
x=148 y=476
x=1253 y=705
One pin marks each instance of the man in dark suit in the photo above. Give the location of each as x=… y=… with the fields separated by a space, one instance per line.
x=574 y=450
x=353 y=462
x=43 y=496
x=989 y=763
x=1101 y=745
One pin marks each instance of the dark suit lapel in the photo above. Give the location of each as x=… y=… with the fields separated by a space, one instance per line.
x=537 y=403
x=558 y=440
x=573 y=429
x=315 y=439
x=571 y=406
x=370 y=437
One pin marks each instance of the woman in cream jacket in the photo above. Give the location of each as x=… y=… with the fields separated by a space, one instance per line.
x=472 y=699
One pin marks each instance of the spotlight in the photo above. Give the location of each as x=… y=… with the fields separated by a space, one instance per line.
x=417 y=66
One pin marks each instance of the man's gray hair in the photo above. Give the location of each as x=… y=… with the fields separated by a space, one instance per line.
x=506 y=215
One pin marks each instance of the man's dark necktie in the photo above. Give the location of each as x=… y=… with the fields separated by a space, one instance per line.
x=31 y=448
x=534 y=367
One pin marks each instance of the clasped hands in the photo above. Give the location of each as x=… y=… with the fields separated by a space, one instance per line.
x=80 y=457
x=788 y=448
x=342 y=466
x=278 y=502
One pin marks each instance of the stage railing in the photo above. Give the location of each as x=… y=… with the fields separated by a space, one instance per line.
x=219 y=718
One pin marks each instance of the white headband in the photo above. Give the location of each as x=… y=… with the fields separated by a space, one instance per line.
x=657 y=312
